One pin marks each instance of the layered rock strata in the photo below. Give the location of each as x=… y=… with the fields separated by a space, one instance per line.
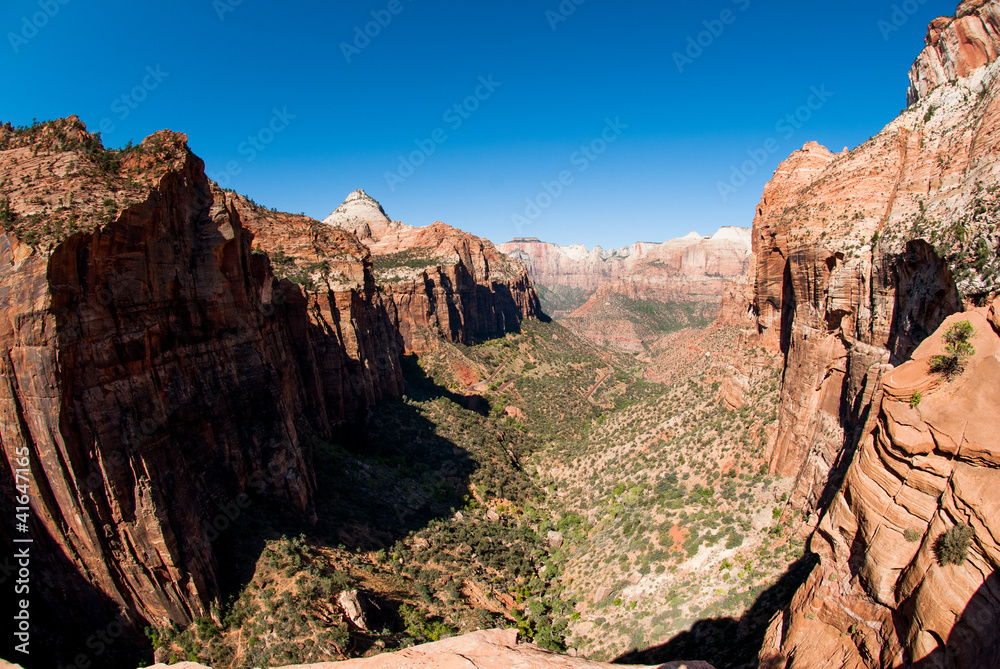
x=862 y=254
x=439 y=281
x=883 y=595
x=329 y=272
x=692 y=269
x=865 y=260
x=157 y=374
x=956 y=47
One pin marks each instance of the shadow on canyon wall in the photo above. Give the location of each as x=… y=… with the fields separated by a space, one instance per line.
x=371 y=490
x=728 y=643
x=974 y=642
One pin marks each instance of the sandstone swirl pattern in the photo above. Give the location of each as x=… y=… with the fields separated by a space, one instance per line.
x=864 y=259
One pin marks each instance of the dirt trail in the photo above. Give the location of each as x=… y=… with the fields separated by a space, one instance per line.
x=481 y=386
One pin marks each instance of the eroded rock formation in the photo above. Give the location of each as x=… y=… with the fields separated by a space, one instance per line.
x=956 y=47
x=440 y=281
x=865 y=259
x=329 y=272
x=860 y=255
x=692 y=269
x=157 y=374
x=882 y=595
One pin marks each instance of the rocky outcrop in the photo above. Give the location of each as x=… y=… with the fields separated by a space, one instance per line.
x=860 y=255
x=883 y=595
x=494 y=649
x=692 y=269
x=438 y=280
x=158 y=377
x=363 y=216
x=864 y=260
x=956 y=47
x=349 y=334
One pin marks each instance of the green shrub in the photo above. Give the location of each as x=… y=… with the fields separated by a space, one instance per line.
x=912 y=535
x=953 y=545
x=915 y=399
x=7 y=215
x=957 y=350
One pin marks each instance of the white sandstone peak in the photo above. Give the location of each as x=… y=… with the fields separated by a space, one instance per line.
x=733 y=233
x=359 y=207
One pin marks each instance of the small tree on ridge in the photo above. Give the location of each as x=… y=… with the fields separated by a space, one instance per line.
x=957 y=350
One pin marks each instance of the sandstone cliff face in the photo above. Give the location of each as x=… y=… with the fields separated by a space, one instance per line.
x=327 y=271
x=956 y=47
x=861 y=258
x=691 y=269
x=154 y=375
x=861 y=255
x=881 y=596
x=439 y=281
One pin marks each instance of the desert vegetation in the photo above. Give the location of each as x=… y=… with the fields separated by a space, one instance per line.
x=602 y=520
x=957 y=350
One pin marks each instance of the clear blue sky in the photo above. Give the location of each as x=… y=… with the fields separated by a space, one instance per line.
x=220 y=80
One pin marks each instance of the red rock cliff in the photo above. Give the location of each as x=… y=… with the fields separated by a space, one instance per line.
x=438 y=280
x=956 y=47
x=864 y=259
x=155 y=371
x=861 y=255
x=882 y=596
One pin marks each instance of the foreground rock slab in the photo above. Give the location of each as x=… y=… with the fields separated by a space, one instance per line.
x=494 y=649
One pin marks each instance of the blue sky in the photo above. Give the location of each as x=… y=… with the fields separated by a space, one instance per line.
x=281 y=110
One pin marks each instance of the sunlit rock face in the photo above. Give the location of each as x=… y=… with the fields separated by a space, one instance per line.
x=439 y=281
x=861 y=255
x=692 y=269
x=865 y=259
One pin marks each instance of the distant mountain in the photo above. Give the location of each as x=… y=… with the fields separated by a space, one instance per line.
x=442 y=282
x=690 y=269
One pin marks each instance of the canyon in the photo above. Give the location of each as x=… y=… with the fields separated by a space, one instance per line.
x=440 y=281
x=160 y=364
x=692 y=269
x=179 y=359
